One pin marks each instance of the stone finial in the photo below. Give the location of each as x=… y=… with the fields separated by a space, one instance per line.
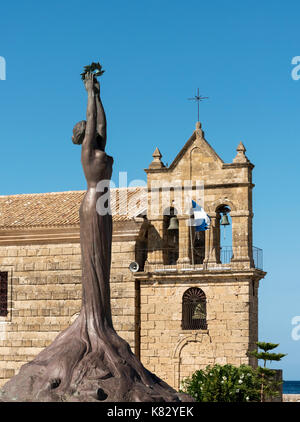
x=156 y=163
x=199 y=131
x=240 y=156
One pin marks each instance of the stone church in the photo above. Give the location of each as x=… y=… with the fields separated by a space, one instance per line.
x=180 y=298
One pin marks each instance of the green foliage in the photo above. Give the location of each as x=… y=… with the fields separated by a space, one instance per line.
x=226 y=383
x=265 y=356
x=266 y=346
x=229 y=383
x=269 y=387
x=95 y=68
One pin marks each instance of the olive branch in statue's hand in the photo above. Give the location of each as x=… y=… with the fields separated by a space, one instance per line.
x=94 y=68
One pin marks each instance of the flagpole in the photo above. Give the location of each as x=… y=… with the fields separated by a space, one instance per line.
x=191 y=240
x=209 y=245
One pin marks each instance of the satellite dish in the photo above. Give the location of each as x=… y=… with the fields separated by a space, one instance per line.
x=134 y=267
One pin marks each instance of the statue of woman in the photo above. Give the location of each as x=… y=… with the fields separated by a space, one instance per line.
x=95 y=228
x=89 y=361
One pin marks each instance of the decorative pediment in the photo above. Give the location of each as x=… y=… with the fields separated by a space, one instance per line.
x=197 y=150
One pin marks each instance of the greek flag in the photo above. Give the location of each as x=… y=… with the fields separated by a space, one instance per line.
x=201 y=219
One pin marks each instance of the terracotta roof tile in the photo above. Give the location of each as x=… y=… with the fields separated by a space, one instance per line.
x=62 y=208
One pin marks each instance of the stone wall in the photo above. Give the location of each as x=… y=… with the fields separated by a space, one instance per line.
x=173 y=353
x=44 y=297
x=123 y=292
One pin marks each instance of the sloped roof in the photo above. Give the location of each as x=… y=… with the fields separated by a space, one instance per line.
x=57 y=209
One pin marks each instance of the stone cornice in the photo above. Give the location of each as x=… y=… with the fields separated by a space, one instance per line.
x=38 y=235
x=231 y=275
x=122 y=231
x=206 y=186
x=229 y=185
x=237 y=165
x=157 y=170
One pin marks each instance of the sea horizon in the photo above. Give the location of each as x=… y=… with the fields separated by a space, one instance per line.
x=291 y=387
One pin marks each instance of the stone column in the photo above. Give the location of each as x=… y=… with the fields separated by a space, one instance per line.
x=242 y=238
x=184 y=240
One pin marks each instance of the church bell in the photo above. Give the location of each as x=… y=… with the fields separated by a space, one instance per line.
x=224 y=220
x=173 y=224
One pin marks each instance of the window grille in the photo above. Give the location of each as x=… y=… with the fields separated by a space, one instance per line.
x=194 y=310
x=3 y=293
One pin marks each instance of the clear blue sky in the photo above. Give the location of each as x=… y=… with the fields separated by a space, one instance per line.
x=156 y=54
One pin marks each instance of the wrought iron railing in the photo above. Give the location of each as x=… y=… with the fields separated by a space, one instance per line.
x=258 y=257
x=170 y=258
x=192 y=323
x=226 y=255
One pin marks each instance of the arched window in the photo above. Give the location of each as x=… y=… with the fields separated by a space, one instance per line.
x=194 y=309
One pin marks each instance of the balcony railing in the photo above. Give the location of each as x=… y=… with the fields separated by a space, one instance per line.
x=258 y=257
x=226 y=255
x=168 y=259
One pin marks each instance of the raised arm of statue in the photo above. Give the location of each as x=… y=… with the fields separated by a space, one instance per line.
x=101 y=118
x=92 y=132
x=89 y=141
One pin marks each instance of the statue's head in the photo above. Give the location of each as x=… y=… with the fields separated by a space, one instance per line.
x=79 y=132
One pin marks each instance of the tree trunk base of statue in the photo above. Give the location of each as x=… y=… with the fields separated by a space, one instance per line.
x=78 y=367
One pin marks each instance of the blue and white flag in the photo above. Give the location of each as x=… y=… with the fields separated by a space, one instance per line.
x=201 y=219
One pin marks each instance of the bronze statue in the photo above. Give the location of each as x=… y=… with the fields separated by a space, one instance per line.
x=89 y=361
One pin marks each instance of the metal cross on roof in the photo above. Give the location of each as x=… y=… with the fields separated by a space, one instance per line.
x=198 y=98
